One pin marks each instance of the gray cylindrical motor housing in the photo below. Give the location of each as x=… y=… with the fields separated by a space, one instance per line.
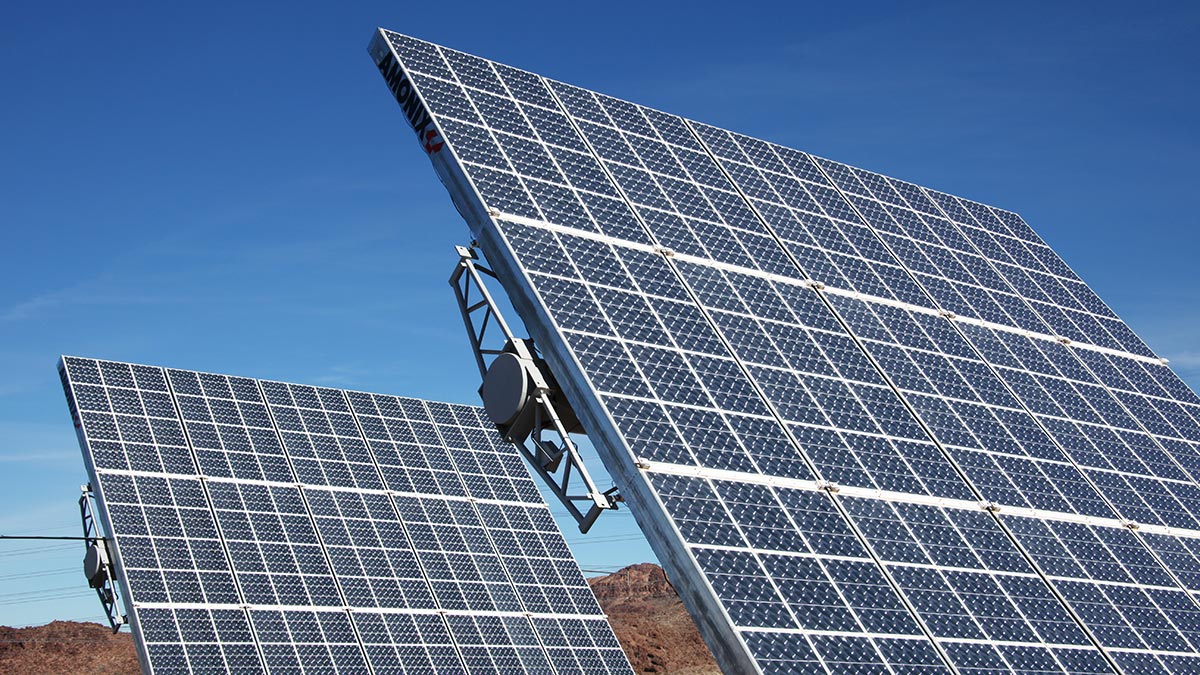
x=95 y=564
x=505 y=390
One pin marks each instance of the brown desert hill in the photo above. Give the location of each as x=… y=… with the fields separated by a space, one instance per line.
x=655 y=630
x=66 y=647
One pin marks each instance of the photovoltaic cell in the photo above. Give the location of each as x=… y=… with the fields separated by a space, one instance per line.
x=269 y=527
x=868 y=427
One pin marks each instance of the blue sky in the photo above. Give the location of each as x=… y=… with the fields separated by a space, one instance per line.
x=233 y=190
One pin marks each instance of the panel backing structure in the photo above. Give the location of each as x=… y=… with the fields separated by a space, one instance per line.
x=866 y=426
x=268 y=527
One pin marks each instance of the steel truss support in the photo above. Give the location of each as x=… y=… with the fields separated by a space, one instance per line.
x=542 y=418
x=97 y=562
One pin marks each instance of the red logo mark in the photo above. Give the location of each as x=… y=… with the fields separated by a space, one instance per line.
x=433 y=142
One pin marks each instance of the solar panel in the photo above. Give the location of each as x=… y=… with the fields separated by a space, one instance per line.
x=866 y=426
x=260 y=526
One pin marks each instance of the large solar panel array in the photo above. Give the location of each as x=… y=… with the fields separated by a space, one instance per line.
x=268 y=527
x=867 y=426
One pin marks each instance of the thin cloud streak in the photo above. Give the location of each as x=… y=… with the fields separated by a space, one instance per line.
x=49 y=457
x=80 y=295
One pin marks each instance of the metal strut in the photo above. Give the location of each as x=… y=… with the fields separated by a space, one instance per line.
x=522 y=398
x=97 y=562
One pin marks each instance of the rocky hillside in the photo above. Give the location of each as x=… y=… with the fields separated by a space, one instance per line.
x=654 y=629
x=66 y=647
x=651 y=623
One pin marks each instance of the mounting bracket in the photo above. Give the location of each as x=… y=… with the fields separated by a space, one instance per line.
x=523 y=400
x=97 y=562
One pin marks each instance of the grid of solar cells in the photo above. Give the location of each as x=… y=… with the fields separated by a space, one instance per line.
x=676 y=266
x=1148 y=476
x=672 y=387
x=975 y=271
x=1097 y=427
x=964 y=272
x=664 y=421
x=270 y=527
x=1121 y=418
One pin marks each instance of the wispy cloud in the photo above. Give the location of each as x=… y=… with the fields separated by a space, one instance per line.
x=37 y=443
x=267 y=252
x=11 y=389
x=96 y=292
x=46 y=457
x=1185 y=359
x=50 y=516
x=340 y=376
x=1186 y=365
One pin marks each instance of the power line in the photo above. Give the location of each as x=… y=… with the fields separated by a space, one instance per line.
x=33 y=601
x=613 y=514
x=48 y=529
x=604 y=540
x=43 y=573
x=41 y=590
x=36 y=549
x=26 y=536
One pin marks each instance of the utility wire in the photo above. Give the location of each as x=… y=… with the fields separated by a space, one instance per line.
x=36 y=549
x=42 y=573
x=60 y=589
x=25 y=536
x=605 y=539
x=34 y=601
x=48 y=529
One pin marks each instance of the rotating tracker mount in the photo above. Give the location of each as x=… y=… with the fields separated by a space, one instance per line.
x=97 y=562
x=523 y=400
